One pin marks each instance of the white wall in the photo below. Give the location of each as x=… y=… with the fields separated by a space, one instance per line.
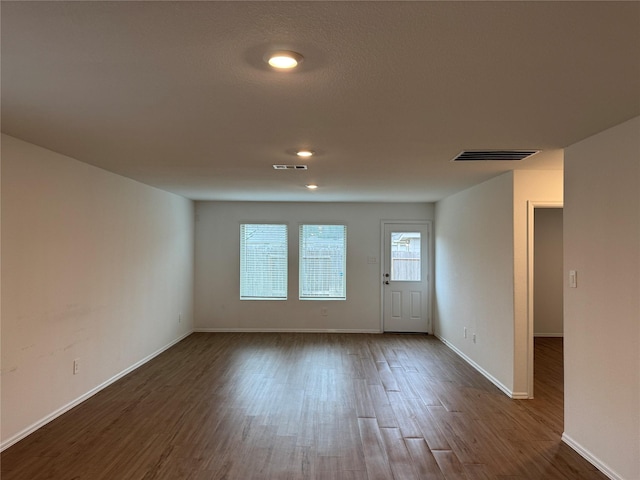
x=474 y=276
x=217 y=303
x=481 y=273
x=548 y=274
x=602 y=315
x=95 y=267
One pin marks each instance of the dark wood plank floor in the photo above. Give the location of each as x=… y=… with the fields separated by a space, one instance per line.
x=307 y=406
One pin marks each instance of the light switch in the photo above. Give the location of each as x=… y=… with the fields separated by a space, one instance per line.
x=573 y=279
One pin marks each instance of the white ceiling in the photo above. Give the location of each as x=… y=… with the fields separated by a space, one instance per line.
x=177 y=95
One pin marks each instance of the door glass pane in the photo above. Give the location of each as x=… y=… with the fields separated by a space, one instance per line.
x=405 y=257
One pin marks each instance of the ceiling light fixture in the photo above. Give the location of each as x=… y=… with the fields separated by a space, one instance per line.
x=305 y=153
x=311 y=186
x=284 y=60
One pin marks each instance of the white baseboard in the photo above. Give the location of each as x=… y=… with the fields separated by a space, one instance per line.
x=555 y=335
x=487 y=375
x=52 y=416
x=587 y=455
x=283 y=330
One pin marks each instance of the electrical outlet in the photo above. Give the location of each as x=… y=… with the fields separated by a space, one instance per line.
x=474 y=338
x=76 y=366
x=465 y=332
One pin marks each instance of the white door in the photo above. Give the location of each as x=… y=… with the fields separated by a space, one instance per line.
x=406 y=277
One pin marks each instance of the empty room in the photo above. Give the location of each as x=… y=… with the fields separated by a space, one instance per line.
x=320 y=240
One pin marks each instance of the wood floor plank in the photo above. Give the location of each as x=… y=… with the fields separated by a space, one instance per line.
x=375 y=454
x=423 y=460
x=399 y=458
x=370 y=370
x=403 y=415
x=303 y=406
x=435 y=438
x=477 y=471
x=420 y=385
x=450 y=465
x=386 y=377
x=462 y=447
x=384 y=413
x=364 y=405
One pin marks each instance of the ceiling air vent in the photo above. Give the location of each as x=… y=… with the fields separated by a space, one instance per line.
x=493 y=155
x=289 y=167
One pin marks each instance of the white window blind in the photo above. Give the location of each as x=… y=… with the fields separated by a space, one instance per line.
x=323 y=261
x=263 y=261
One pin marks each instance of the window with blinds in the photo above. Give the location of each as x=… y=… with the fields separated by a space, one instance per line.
x=263 y=261
x=323 y=262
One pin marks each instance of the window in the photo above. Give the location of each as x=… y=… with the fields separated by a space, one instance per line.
x=323 y=261
x=263 y=262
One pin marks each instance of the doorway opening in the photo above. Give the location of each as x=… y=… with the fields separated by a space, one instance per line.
x=545 y=298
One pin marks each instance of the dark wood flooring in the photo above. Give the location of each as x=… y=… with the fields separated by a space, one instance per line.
x=241 y=406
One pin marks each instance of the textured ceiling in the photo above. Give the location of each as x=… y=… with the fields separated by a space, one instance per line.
x=177 y=95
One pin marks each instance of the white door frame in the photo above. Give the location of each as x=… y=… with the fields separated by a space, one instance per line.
x=430 y=267
x=531 y=206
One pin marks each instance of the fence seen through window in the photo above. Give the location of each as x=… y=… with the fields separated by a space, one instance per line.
x=405 y=257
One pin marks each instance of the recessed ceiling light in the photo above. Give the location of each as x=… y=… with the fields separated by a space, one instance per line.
x=311 y=186
x=305 y=153
x=284 y=60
